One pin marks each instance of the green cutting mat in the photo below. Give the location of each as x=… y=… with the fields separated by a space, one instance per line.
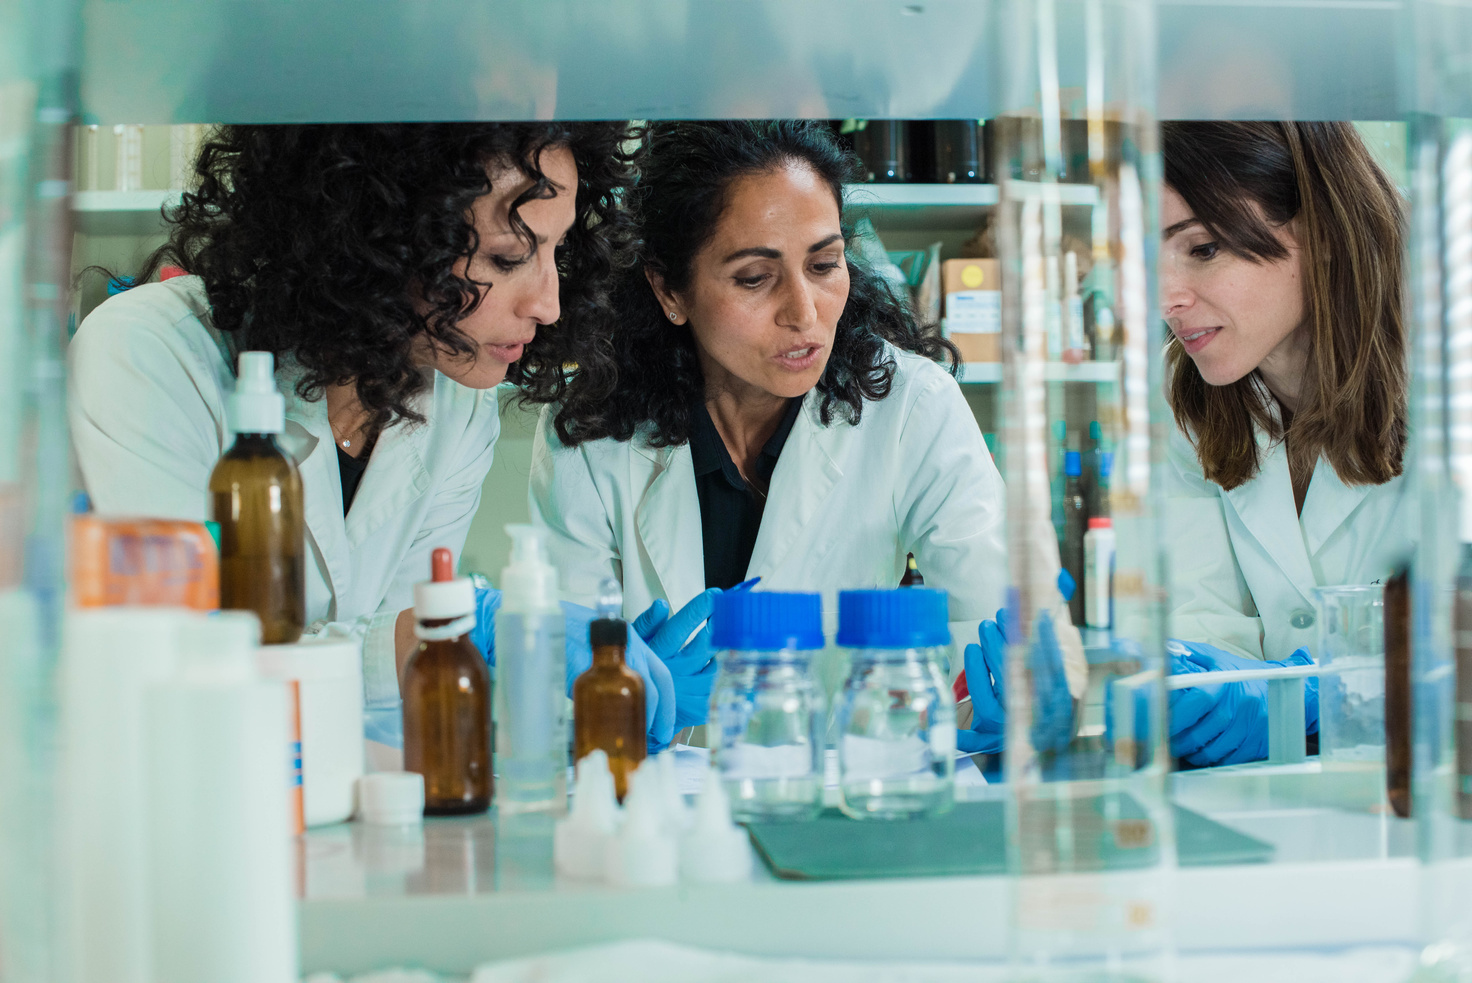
x=970 y=839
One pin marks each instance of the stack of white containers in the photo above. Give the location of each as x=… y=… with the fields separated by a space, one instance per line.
x=177 y=838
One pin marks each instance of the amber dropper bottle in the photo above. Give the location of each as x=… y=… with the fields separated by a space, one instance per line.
x=257 y=498
x=447 y=697
x=608 y=699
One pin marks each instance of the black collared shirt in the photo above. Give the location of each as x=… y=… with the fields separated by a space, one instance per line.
x=730 y=510
x=350 y=469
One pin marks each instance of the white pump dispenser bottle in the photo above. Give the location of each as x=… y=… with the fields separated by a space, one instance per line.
x=531 y=683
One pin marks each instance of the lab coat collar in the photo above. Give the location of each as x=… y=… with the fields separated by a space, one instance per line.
x=1265 y=506
x=810 y=465
x=1328 y=505
x=396 y=476
x=668 y=510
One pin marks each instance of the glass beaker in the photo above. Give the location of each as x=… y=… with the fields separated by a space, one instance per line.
x=766 y=707
x=1351 y=653
x=895 y=716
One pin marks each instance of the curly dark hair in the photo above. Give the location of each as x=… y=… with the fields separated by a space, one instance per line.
x=315 y=241
x=635 y=371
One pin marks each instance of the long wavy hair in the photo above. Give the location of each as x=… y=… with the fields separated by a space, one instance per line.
x=1350 y=226
x=635 y=371
x=336 y=244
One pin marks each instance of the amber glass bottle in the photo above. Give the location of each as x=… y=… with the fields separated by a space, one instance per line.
x=256 y=494
x=608 y=699
x=447 y=697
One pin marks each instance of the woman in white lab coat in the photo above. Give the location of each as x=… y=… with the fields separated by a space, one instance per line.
x=398 y=274
x=1280 y=279
x=763 y=408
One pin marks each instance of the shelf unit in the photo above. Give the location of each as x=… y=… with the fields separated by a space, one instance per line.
x=122 y=213
x=938 y=207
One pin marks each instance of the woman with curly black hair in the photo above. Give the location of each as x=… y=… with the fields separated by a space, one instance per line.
x=397 y=273
x=755 y=404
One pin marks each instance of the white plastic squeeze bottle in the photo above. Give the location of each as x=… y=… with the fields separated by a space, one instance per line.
x=531 y=684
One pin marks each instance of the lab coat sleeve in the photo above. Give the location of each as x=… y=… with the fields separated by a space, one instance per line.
x=1209 y=598
x=952 y=517
x=566 y=499
x=446 y=523
x=146 y=434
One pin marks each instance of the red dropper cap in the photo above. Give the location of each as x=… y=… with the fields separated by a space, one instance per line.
x=441 y=566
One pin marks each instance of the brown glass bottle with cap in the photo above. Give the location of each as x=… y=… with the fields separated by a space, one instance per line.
x=256 y=494
x=447 y=697
x=608 y=699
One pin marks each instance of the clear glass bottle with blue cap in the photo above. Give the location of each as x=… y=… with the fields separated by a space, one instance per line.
x=895 y=716
x=767 y=707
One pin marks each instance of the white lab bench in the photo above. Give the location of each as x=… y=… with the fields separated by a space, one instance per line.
x=463 y=891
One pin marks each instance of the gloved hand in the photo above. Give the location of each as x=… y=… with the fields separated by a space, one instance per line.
x=691 y=663
x=659 y=690
x=1052 y=725
x=1227 y=724
x=487 y=603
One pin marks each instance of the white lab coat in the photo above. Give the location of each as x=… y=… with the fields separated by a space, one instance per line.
x=148 y=383
x=1244 y=565
x=846 y=503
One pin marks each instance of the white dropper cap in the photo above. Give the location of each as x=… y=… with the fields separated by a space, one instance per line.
x=676 y=813
x=529 y=582
x=580 y=843
x=643 y=854
x=256 y=406
x=443 y=595
x=715 y=850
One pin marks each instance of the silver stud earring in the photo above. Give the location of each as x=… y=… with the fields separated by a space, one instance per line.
x=672 y=315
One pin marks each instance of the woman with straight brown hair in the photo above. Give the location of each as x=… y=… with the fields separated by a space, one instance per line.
x=1280 y=280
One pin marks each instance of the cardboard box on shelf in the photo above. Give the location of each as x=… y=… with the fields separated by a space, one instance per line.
x=973 y=307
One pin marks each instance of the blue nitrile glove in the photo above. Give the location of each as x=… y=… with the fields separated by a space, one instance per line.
x=487 y=603
x=1052 y=725
x=659 y=690
x=1226 y=724
x=690 y=660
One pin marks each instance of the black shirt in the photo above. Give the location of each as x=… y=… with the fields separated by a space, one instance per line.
x=730 y=510
x=350 y=469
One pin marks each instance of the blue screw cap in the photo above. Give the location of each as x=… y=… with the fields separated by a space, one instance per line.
x=767 y=621
x=902 y=618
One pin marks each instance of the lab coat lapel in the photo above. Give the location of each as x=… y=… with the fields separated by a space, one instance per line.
x=807 y=470
x=1265 y=506
x=1328 y=505
x=307 y=439
x=668 y=519
x=395 y=477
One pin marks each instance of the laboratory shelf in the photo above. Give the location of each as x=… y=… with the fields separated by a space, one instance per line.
x=121 y=212
x=1094 y=372
x=937 y=207
x=462 y=891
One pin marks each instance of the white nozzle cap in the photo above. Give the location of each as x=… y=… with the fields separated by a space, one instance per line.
x=580 y=843
x=391 y=798
x=715 y=850
x=256 y=406
x=643 y=854
x=677 y=815
x=529 y=582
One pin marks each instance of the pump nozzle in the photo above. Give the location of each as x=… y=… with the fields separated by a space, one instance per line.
x=529 y=582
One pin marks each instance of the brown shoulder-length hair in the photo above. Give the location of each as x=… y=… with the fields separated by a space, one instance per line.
x=1352 y=405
